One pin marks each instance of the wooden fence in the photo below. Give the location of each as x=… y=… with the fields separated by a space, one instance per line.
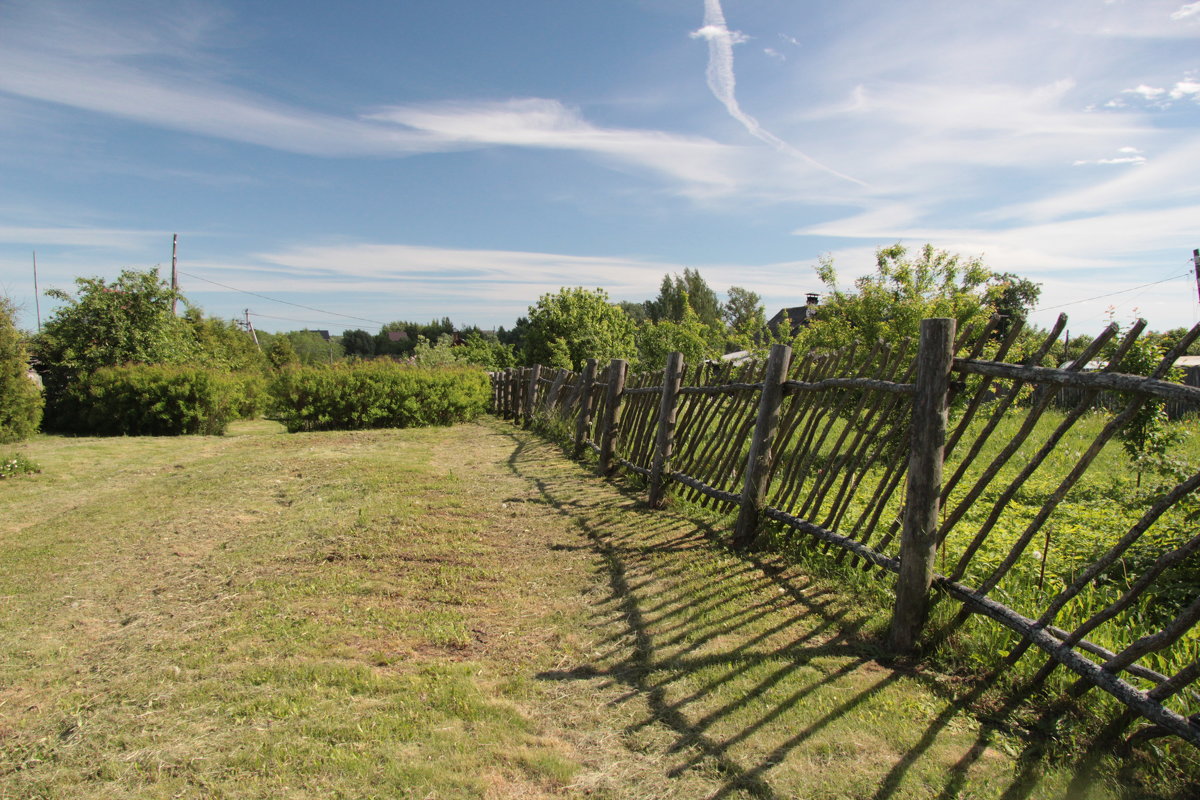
x=859 y=452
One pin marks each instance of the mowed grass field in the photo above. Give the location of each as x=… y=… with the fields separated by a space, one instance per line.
x=444 y=613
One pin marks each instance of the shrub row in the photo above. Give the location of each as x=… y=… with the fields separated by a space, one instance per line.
x=378 y=394
x=141 y=400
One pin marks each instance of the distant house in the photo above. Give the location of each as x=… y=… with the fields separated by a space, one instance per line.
x=398 y=336
x=323 y=334
x=796 y=315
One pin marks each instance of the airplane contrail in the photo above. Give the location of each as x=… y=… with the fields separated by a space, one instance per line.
x=722 y=83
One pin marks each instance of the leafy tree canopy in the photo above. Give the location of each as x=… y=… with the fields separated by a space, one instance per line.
x=745 y=318
x=679 y=292
x=656 y=340
x=129 y=320
x=568 y=327
x=890 y=303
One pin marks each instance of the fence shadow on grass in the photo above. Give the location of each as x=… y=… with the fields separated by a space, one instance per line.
x=746 y=663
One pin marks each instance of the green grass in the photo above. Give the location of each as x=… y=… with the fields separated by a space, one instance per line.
x=453 y=612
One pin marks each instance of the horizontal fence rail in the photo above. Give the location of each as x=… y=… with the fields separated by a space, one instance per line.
x=952 y=465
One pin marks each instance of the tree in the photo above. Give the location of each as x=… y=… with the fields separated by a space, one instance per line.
x=223 y=344
x=358 y=343
x=485 y=351
x=313 y=348
x=281 y=353
x=658 y=339
x=567 y=328
x=678 y=292
x=130 y=320
x=1011 y=296
x=745 y=318
x=890 y=303
x=20 y=399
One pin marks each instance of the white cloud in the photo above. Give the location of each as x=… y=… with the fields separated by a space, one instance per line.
x=1185 y=11
x=771 y=52
x=1148 y=92
x=1185 y=88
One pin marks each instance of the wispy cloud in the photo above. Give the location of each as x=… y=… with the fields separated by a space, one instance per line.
x=548 y=124
x=1185 y=11
x=723 y=84
x=107 y=73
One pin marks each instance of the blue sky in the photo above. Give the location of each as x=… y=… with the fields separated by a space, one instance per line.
x=388 y=160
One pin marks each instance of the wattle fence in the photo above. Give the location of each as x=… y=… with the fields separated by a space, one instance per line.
x=950 y=470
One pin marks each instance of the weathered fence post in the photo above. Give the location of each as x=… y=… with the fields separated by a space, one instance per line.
x=521 y=387
x=535 y=373
x=550 y=401
x=758 y=462
x=918 y=540
x=583 y=422
x=664 y=440
x=611 y=424
x=505 y=377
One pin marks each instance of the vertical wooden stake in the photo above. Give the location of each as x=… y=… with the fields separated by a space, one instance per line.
x=550 y=402
x=918 y=541
x=583 y=423
x=506 y=393
x=664 y=441
x=611 y=424
x=535 y=373
x=758 y=462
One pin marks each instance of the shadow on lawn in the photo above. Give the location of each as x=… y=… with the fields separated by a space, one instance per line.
x=705 y=666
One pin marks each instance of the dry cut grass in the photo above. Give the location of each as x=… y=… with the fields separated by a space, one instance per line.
x=440 y=613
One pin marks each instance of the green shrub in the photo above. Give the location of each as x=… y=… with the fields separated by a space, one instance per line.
x=20 y=398
x=378 y=394
x=141 y=400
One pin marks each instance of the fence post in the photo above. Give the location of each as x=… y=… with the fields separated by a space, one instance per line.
x=758 y=462
x=550 y=402
x=664 y=440
x=520 y=387
x=535 y=373
x=584 y=421
x=918 y=540
x=611 y=424
x=503 y=394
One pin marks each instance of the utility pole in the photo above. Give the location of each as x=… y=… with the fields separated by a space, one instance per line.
x=250 y=327
x=174 y=274
x=37 y=304
x=1196 y=266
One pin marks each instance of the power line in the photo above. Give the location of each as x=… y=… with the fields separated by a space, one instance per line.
x=1112 y=294
x=292 y=319
x=285 y=302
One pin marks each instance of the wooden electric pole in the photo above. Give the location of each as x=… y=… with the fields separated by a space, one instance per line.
x=250 y=327
x=1196 y=266
x=37 y=304
x=174 y=274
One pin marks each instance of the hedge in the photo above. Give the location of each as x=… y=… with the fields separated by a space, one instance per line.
x=142 y=400
x=378 y=394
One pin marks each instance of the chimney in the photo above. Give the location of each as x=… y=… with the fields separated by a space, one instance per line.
x=812 y=298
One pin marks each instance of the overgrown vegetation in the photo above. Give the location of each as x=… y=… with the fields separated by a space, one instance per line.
x=20 y=398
